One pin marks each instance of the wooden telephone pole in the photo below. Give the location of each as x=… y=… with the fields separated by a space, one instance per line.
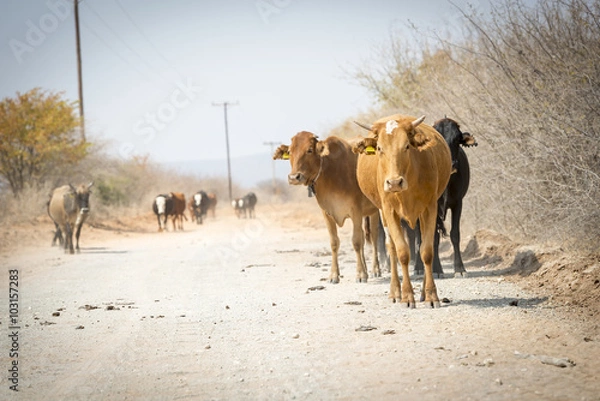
x=80 y=81
x=225 y=105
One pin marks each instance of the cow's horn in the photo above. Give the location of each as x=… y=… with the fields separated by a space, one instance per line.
x=361 y=125
x=90 y=184
x=418 y=121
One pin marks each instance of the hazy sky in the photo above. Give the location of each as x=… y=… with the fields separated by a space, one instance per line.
x=152 y=69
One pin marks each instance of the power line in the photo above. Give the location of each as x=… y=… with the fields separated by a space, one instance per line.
x=131 y=49
x=225 y=105
x=128 y=15
x=109 y=47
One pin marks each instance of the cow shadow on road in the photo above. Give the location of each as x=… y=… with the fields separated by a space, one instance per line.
x=503 y=302
x=101 y=250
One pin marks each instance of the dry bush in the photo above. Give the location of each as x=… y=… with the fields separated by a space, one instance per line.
x=526 y=83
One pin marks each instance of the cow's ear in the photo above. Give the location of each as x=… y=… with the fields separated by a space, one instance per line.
x=468 y=140
x=282 y=153
x=322 y=148
x=365 y=146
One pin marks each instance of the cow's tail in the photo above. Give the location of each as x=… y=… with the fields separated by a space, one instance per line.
x=367 y=229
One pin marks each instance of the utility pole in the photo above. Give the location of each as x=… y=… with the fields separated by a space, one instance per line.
x=271 y=144
x=225 y=105
x=80 y=82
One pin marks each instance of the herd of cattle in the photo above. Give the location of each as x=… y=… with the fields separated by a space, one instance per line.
x=401 y=178
x=69 y=207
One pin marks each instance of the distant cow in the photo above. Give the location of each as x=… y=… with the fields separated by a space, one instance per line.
x=178 y=210
x=199 y=206
x=244 y=207
x=163 y=208
x=452 y=197
x=238 y=207
x=69 y=208
x=212 y=203
x=250 y=203
x=328 y=169
x=405 y=178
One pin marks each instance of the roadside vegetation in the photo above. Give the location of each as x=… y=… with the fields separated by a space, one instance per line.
x=41 y=148
x=526 y=83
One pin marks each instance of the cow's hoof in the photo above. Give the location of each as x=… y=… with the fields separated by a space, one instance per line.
x=334 y=280
x=460 y=274
x=362 y=279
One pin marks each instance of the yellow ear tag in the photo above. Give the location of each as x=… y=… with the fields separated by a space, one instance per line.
x=285 y=156
x=369 y=150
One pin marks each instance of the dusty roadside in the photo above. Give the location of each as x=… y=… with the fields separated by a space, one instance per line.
x=237 y=309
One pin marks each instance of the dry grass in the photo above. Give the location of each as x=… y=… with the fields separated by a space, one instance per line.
x=525 y=83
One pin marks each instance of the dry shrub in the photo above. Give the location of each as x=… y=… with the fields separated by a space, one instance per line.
x=526 y=83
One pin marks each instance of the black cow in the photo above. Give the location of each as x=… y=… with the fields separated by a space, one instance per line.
x=249 y=203
x=452 y=197
x=163 y=206
x=199 y=205
x=244 y=206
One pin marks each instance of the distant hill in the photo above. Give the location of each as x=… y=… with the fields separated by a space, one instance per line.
x=246 y=171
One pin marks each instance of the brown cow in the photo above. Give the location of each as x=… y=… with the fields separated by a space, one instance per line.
x=212 y=204
x=412 y=167
x=178 y=209
x=328 y=168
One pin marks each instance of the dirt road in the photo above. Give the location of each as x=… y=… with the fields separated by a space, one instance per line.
x=237 y=310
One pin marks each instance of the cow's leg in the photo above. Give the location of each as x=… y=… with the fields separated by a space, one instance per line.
x=69 y=239
x=374 y=227
x=58 y=236
x=402 y=253
x=77 y=233
x=334 y=240
x=428 y=229
x=414 y=241
x=358 y=243
x=459 y=267
x=437 y=263
x=159 y=225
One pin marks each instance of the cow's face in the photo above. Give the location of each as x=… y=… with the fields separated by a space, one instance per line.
x=83 y=197
x=198 y=199
x=304 y=153
x=395 y=141
x=161 y=204
x=454 y=137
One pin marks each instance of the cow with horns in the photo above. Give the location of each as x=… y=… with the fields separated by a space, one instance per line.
x=403 y=168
